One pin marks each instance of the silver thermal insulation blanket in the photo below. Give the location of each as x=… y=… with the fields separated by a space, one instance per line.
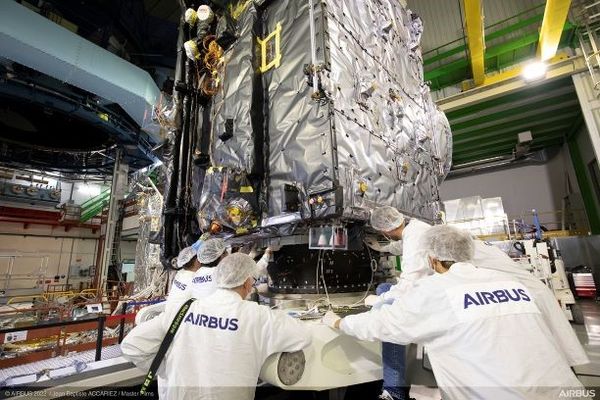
x=147 y=255
x=234 y=101
x=343 y=123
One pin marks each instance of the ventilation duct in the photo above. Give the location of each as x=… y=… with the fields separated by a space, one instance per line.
x=503 y=162
x=38 y=43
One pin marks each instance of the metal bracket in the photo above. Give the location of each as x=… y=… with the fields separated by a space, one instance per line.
x=276 y=61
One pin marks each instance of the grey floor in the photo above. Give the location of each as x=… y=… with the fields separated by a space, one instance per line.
x=589 y=335
x=423 y=382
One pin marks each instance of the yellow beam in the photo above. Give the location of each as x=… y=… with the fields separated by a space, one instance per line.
x=491 y=79
x=513 y=72
x=475 y=38
x=555 y=16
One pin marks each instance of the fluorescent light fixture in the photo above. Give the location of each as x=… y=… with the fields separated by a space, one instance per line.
x=534 y=70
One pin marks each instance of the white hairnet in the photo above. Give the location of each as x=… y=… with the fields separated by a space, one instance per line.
x=386 y=219
x=447 y=243
x=233 y=270
x=185 y=256
x=211 y=250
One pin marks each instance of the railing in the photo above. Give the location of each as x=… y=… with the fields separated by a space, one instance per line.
x=11 y=272
x=58 y=333
x=54 y=336
x=52 y=296
x=89 y=293
x=587 y=15
x=23 y=299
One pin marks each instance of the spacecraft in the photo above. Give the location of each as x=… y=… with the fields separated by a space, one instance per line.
x=291 y=121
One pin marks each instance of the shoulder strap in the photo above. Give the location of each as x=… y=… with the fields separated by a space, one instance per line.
x=164 y=346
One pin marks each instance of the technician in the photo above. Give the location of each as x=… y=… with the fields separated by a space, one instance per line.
x=209 y=256
x=391 y=223
x=187 y=264
x=223 y=341
x=485 y=336
x=404 y=239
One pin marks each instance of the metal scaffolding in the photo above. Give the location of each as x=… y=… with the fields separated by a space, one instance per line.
x=586 y=15
x=112 y=233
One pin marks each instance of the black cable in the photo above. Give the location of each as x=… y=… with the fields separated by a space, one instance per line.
x=183 y=6
x=169 y=242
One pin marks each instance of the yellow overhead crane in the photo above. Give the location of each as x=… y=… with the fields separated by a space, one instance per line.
x=475 y=38
x=555 y=16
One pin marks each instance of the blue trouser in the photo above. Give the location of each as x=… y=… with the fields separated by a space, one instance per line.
x=394 y=361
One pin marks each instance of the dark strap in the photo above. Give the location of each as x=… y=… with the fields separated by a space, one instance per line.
x=164 y=346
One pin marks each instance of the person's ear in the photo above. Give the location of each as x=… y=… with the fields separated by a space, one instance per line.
x=433 y=263
x=438 y=266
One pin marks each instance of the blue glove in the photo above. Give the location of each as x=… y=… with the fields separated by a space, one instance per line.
x=197 y=245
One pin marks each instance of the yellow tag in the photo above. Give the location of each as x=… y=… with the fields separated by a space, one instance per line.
x=237 y=10
x=362 y=187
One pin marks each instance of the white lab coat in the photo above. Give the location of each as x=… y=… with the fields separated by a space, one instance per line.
x=499 y=349
x=203 y=283
x=490 y=257
x=262 y=264
x=149 y=312
x=179 y=291
x=414 y=261
x=220 y=347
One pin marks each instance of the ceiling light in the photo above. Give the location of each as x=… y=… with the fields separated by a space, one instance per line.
x=534 y=70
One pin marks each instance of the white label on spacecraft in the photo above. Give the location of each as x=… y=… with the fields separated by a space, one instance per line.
x=94 y=308
x=17 y=336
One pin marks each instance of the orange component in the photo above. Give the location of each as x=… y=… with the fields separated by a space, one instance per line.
x=215 y=227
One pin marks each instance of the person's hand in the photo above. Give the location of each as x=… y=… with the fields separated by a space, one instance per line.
x=331 y=319
x=371 y=300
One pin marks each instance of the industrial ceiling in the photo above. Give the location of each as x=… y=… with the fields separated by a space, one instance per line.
x=491 y=42
x=466 y=44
